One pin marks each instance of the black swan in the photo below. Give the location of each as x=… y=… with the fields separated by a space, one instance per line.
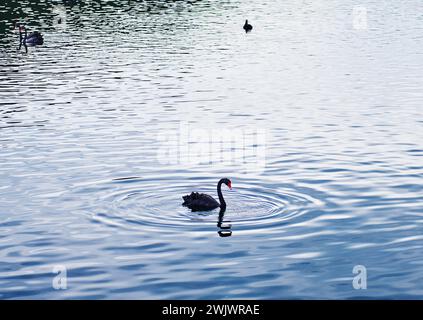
x=203 y=202
x=247 y=27
x=32 y=39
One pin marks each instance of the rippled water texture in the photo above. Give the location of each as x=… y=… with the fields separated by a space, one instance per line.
x=93 y=158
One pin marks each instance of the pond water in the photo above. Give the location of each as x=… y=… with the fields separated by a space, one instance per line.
x=316 y=117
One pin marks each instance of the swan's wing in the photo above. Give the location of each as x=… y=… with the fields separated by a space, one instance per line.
x=203 y=202
x=205 y=197
x=190 y=197
x=200 y=201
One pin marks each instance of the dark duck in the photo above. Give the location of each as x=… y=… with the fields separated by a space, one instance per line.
x=203 y=202
x=33 y=39
x=247 y=27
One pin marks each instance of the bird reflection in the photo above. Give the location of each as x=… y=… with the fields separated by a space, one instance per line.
x=224 y=229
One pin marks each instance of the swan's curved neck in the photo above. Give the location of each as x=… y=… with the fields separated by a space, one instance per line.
x=219 y=193
x=23 y=35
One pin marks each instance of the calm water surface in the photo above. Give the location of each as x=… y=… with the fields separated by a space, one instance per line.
x=86 y=119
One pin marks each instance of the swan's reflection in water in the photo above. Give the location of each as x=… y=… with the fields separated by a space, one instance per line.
x=22 y=43
x=224 y=226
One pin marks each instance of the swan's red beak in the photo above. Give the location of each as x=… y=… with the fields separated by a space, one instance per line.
x=230 y=185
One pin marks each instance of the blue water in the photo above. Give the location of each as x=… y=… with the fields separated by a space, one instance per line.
x=94 y=157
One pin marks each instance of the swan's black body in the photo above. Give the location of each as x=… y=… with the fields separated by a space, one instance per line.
x=200 y=202
x=34 y=38
x=247 y=27
x=203 y=202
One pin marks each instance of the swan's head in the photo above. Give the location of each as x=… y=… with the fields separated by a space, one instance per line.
x=21 y=28
x=227 y=182
x=246 y=21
